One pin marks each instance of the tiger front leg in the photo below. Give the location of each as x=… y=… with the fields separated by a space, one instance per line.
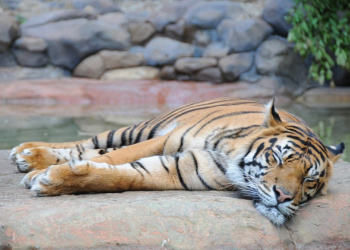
x=191 y=170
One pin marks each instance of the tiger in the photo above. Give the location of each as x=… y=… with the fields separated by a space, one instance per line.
x=269 y=155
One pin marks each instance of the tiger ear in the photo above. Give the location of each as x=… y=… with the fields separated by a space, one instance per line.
x=272 y=117
x=335 y=152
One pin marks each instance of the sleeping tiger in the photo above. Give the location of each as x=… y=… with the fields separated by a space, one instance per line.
x=224 y=144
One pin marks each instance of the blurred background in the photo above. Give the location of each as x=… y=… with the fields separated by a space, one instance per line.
x=70 y=69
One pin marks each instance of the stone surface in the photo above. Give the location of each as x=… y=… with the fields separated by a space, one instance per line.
x=169 y=13
x=169 y=219
x=190 y=65
x=210 y=75
x=56 y=16
x=7 y=59
x=176 y=30
x=30 y=59
x=244 y=35
x=141 y=32
x=234 y=65
x=91 y=67
x=163 y=50
x=115 y=18
x=121 y=59
x=168 y=73
x=8 y=31
x=208 y=15
x=99 y=6
x=71 y=41
x=15 y=73
x=32 y=44
x=216 y=50
x=274 y=13
x=277 y=57
x=133 y=73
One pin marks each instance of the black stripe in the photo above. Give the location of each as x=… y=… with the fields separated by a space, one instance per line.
x=123 y=137
x=163 y=164
x=131 y=134
x=110 y=139
x=179 y=173
x=132 y=164
x=218 y=164
x=154 y=129
x=95 y=142
x=79 y=151
x=225 y=116
x=199 y=176
x=142 y=166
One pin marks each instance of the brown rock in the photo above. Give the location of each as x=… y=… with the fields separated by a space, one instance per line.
x=29 y=58
x=33 y=44
x=134 y=73
x=141 y=32
x=91 y=67
x=189 y=65
x=121 y=59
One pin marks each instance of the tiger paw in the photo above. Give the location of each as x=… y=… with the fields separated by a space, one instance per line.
x=68 y=178
x=36 y=158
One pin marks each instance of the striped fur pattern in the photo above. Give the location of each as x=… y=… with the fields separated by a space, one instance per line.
x=271 y=156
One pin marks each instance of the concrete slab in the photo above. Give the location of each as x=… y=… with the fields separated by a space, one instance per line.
x=165 y=220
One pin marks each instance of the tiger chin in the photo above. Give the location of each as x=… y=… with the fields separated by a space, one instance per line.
x=270 y=155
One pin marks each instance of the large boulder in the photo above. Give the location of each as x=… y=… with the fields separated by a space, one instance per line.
x=243 y=35
x=56 y=16
x=8 y=31
x=30 y=51
x=274 y=13
x=276 y=57
x=71 y=41
x=234 y=65
x=115 y=18
x=210 y=75
x=190 y=65
x=162 y=50
x=208 y=15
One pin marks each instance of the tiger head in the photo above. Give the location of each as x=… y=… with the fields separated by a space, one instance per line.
x=285 y=166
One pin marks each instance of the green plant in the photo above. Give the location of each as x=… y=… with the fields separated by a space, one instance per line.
x=321 y=28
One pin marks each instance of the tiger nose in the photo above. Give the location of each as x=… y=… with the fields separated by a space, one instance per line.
x=281 y=196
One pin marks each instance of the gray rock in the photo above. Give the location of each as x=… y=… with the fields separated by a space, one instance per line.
x=234 y=65
x=71 y=41
x=115 y=18
x=56 y=16
x=141 y=32
x=201 y=38
x=190 y=65
x=277 y=57
x=100 y=6
x=251 y=75
x=341 y=76
x=168 y=73
x=176 y=30
x=137 y=16
x=244 y=35
x=274 y=13
x=33 y=44
x=216 y=50
x=210 y=75
x=8 y=31
x=29 y=58
x=169 y=13
x=162 y=50
x=208 y=15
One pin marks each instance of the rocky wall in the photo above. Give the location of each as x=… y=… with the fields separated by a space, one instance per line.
x=215 y=41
